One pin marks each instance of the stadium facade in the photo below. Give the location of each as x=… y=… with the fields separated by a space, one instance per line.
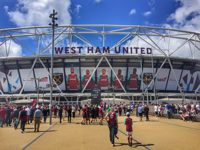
x=122 y=60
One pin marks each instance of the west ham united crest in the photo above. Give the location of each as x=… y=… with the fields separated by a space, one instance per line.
x=58 y=78
x=147 y=77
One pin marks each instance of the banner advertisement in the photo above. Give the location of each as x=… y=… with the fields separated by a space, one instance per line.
x=121 y=74
x=3 y=82
x=147 y=78
x=58 y=76
x=42 y=79
x=103 y=77
x=134 y=78
x=161 y=79
x=86 y=73
x=190 y=80
x=27 y=76
x=172 y=85
x=13 y=81
x=72 y=78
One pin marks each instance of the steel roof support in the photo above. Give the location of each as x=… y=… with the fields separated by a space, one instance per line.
x=182 y=45
x=52 y=78
x=28 y=76
x=50 y=44
x=115 y=74
x=92 y=74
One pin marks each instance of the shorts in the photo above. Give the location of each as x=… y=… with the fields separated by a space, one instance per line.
x=129 y=133
x=84 y=116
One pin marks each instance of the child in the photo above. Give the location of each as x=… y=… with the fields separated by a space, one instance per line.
x=128 y=122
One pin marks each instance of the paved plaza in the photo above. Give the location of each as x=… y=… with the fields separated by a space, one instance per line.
x=158 y=134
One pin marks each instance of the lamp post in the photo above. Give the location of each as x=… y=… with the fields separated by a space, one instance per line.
x=53 y=25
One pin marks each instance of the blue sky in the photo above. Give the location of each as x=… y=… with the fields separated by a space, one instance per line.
x=107 y=12
x=182 y=14
x=119 y=12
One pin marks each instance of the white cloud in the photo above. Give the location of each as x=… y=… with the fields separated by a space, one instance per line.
x=147 y=13
x=77 y=8
x=132 y=12
x=32 y=13
x=98 y=1
x=10 y=49
x=187 y=16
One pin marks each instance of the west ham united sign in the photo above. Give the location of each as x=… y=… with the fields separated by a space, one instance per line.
x=102 y=50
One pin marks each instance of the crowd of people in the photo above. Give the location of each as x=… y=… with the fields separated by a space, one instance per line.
x=21 y=115
x=186 y=111
x=92 y=114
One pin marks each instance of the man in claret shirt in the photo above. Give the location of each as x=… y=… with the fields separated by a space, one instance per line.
x=23 y=118
x=72 y=80
x=128 y=122
x=86 y=78
x=111 y=118
x=2 y=116
x=103 y=80
x=133 y=83
x=116 y=82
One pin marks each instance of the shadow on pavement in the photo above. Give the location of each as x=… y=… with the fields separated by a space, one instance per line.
x=134 y=145
x=137 y=144
x=40 y=131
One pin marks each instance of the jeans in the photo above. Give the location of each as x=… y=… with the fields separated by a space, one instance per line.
x=69 y=118
x=60 y=116
x=23 y=124
x=15 y=122
x=168 y=114
x=45 y=118
x=37 y=124
x=1 y=122
x=112 y=129
x=8 y=120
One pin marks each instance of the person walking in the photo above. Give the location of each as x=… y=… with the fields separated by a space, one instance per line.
x=128 y=122
x=15 y=117
x=32 y=111
x=69 y=112
x=112 y=124
x=8 y=116
x=28 y=110
x=37 y=119
x=2 y=116
x=45 y=113
x=140 y=111
x=23 y=119
x=73 y=111
x=60 y=113
x=146 y=112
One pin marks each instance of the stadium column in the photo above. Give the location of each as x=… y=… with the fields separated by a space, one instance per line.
x=53 y=25
x=141 y=63
x=18 y=67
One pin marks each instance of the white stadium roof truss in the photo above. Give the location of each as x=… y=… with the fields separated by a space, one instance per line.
x=166 y=43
